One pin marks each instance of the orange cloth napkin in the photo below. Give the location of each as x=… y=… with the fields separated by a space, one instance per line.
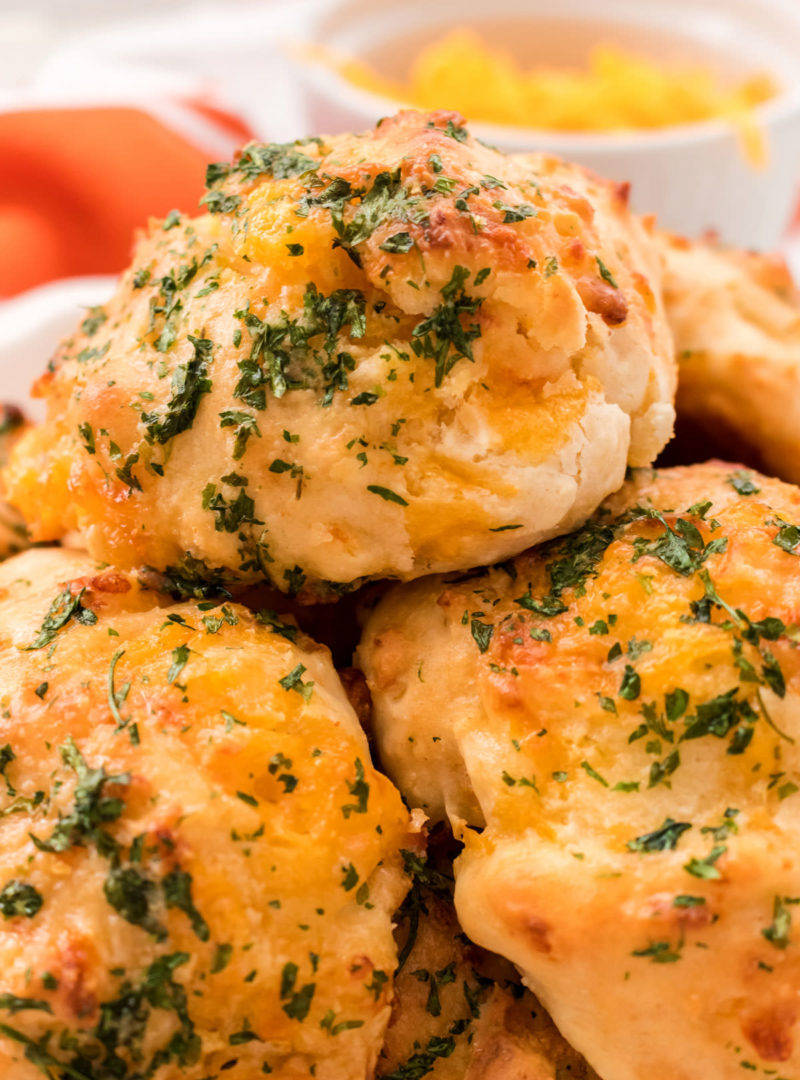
x=75 y=184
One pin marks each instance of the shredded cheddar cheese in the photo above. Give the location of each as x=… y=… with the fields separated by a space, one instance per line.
x=619 y=91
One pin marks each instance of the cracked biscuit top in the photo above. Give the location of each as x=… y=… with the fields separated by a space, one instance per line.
x=375 y=355
x=199 y=863
x=618 y=710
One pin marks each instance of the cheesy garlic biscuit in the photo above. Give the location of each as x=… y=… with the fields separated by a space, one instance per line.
x=460 y=1013
x=13 y=534
x=619 y=711
x=377 y=355
x=198 y=864
x=735 y=317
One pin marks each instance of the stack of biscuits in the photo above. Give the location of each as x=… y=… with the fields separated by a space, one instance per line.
x=371 y=704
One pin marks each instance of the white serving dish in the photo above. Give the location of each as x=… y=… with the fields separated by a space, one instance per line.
x=694 y=177
x=31 y=326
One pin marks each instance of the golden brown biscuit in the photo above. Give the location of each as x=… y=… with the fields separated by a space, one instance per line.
x=198 y=863
x=735 y=317
x=619 y=709
x=378 y=355
x=13 y=534
x=460 y=1013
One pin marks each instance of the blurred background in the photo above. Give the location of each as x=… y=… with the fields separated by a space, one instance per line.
x=109 y=110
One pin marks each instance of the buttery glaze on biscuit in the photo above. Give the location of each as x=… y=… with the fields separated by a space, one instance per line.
x=198 y=863
x=735 y=316
x=377 y=355
x=625 y=727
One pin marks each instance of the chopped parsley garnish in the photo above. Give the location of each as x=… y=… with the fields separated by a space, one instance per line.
x=660 y=771
x=87 y=436
x=778 y=933
x=424 y=878
x=682 y=548
x=455 y=131
x=349 y=877
x=177 y=887
x=296 y=1002
x=189 y=382
x=386 y=199
x=587 y=768
x=664 y=838
x=133 y=895
x=214 y=623
x=222 y=957
x=19 y=899
x=180 y=658
x=398 y=243
x=120 y=1030
x=230 y=514
x=631 y=684
x=379 y=981
x=742 y=483
x=676 y=703
x=67 y=605
x=295 y=579
x=294 y=681
x=220 y=203
x=280 y=761
x=605 y=273
x=92 y=809
x=93 y=321
x=280 y=348
x=125 y=471
x=705 y=868
x=549 y=606
x=333 y=1027
x=718 y=717
x=279 y=160
x=245 y=424
x=482 y=633
x=660 y=952
x=359 y=789
x=387 y=494
x=423 y=1061
x=117 y=697
x=246 y=1035
x=522 y=781
x=577 y=558
x=13 y=1004
x=515 y=213
x=443 y=336
x=787 y=537
x=191 y=578
x=272 y=620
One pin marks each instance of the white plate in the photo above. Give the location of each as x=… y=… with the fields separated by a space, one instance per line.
x=33 y=323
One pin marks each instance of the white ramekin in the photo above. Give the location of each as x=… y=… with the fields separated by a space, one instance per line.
x=693 y=177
